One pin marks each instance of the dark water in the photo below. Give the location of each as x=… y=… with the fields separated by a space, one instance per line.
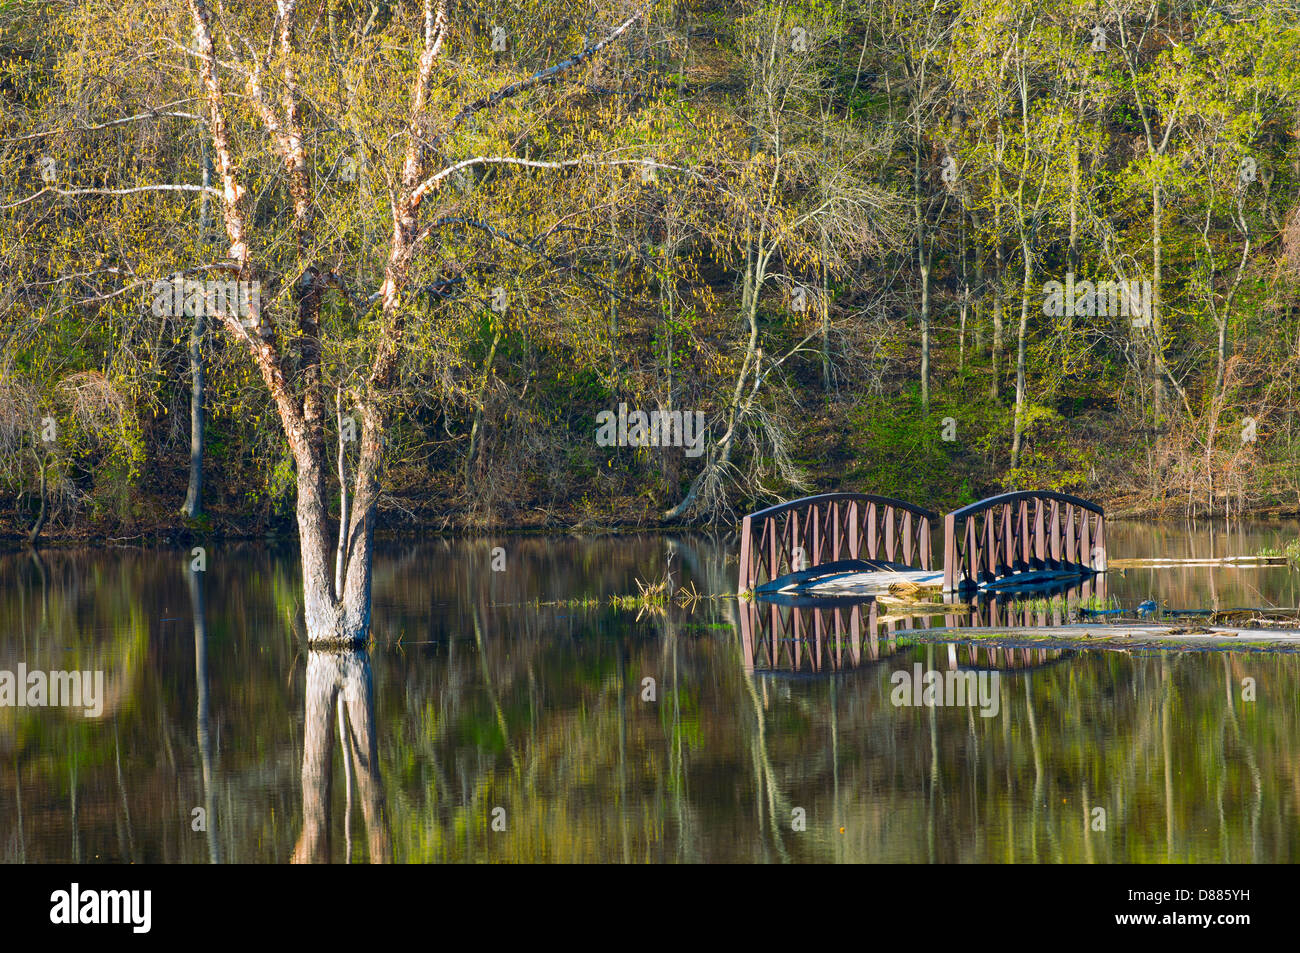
x=520 y=697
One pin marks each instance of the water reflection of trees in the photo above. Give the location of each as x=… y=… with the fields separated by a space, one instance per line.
x=1156 y=740
x=1198 y=587
x=179 y=731
x=541 y=715
x=485 y=696
x=53 y=761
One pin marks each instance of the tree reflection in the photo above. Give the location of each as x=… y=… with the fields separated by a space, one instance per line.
x=199 y=609
x=340 y=680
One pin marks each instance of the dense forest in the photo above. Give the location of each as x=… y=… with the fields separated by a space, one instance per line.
x=404 y=264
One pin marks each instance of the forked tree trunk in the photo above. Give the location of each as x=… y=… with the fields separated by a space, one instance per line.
x=293 y=374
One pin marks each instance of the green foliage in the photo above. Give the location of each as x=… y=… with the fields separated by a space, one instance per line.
x=798 y=148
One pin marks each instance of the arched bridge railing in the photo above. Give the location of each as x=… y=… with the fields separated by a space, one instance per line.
x=1021 y=532
x=817 y=530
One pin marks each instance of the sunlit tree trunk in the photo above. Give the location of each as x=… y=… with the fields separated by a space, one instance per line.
x=193 y=505
x=963 y=279
x=1021 y=333
x=998 y=265
x=923 y=267
x=1157 y=208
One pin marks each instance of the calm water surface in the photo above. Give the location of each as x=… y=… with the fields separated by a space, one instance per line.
x=512 y=719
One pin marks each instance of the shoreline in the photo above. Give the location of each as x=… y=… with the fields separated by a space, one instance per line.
x=179 y=534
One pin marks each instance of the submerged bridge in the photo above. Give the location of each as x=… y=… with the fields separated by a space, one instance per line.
x=857 y=544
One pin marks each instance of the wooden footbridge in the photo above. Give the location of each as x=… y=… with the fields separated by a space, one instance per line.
x=858 y=544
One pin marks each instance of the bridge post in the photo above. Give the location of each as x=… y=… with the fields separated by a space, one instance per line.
x=772 y=549
x=816 y=514
x=1085 y=540
x=1099 y=546
x=950 y=553
x=1055 y=520
x=746 y=555
x=1007 y=555
x=871 y=530
x=1022 y=520
x=795 y=540
x=1040 y=541
x=1070 y=554
x=835 y=531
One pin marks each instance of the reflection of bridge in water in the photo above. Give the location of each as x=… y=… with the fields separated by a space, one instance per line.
x=818 y=635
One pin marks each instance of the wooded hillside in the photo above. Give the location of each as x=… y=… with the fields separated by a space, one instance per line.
x=924 y=249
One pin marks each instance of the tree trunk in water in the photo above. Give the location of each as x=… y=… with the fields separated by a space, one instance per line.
x=326 y=618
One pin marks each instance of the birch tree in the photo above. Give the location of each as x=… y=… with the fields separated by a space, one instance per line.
x=263 y=83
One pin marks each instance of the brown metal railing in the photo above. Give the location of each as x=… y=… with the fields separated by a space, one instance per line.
x=1021 y=532
x=816 y=530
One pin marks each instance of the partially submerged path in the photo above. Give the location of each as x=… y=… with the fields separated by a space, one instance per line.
x=1122 y=636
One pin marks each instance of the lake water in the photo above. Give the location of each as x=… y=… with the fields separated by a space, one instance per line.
x=513 y=718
